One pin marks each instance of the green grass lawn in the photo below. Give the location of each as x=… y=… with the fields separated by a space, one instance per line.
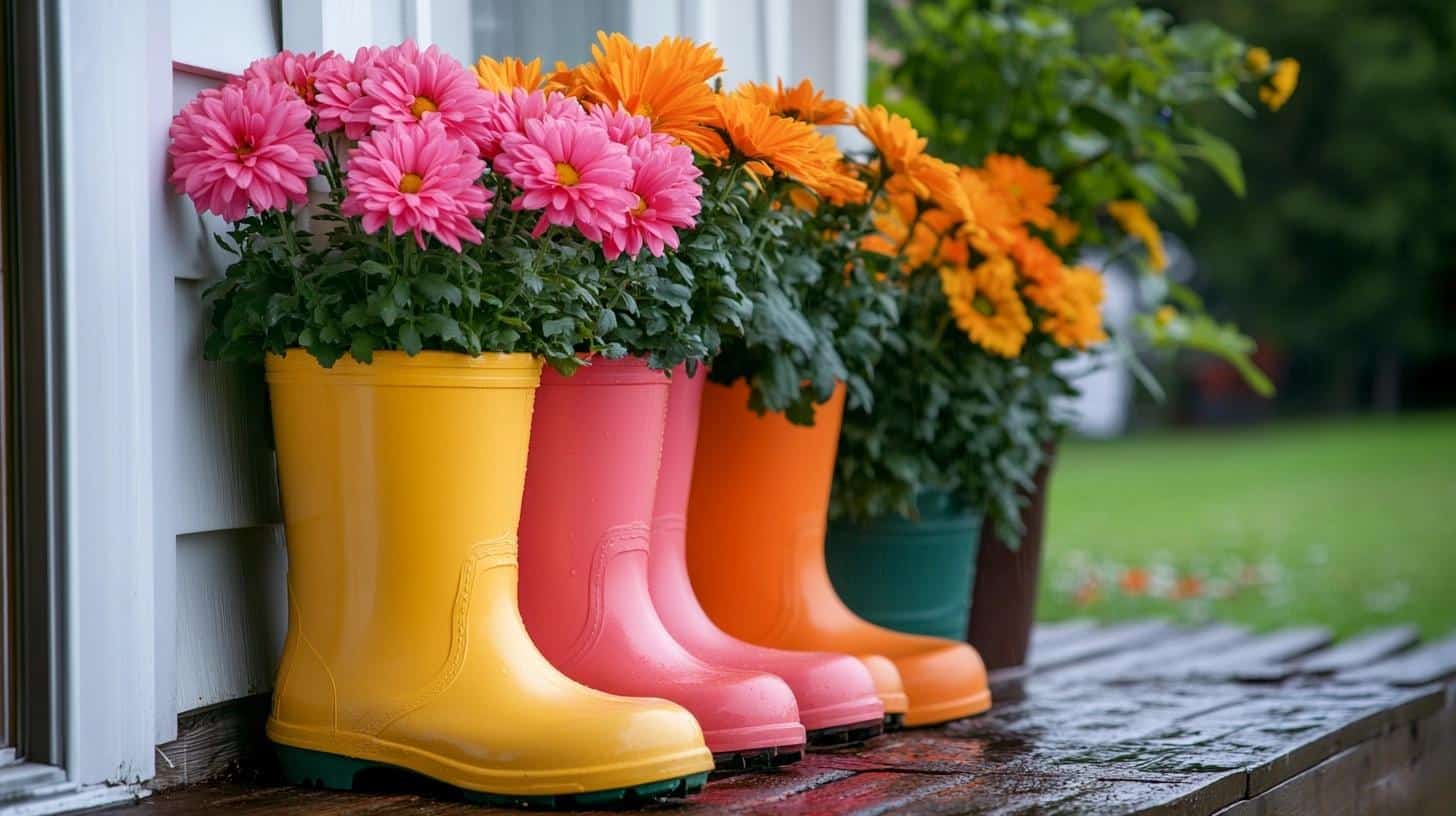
x=1346 y=524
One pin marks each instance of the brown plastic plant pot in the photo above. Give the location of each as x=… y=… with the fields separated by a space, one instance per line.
x=1003 y=599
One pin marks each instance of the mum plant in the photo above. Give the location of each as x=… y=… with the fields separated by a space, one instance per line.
x=989 y=308
x=774 y=253
x=400 y=201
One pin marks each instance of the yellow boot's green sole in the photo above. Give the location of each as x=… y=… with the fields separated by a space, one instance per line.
x=337 y=772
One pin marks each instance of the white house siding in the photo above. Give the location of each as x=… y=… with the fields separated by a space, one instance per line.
x=217 y=489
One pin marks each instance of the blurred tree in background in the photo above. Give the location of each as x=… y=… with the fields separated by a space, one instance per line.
x=1343 y=255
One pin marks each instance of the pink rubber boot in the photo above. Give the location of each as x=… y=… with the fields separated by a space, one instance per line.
x=596 y=440
x=837 y=700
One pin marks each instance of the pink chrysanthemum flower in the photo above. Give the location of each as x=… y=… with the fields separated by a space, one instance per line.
x=341 y=101
x=573 y=171
x=419 y=179
x=301 y=72
x=624 y=128
x=243 y=145
x=408 y=85
x=667 y=198
x=508 y=112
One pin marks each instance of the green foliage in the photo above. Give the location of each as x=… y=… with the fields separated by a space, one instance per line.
x=817 y=315
x=947 y=416
x=1111 y=98
x=1344 y=260
x=1103 y=95
x=332 y=289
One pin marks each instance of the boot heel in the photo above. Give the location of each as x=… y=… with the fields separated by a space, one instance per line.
x=315 y=769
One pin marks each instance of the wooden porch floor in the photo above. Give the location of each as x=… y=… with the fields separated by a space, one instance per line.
x=1141 y=717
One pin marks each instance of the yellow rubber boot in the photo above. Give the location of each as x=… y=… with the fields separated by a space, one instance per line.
x=401 y=485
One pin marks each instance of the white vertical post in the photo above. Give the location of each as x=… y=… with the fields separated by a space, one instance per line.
x=323 y=25
x=851 y=40
x=776 y=25
x=112 y=86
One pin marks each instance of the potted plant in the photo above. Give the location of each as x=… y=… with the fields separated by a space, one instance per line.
x=962 y=397
x=403 y=288
x=756 y=516
x=1111 y=100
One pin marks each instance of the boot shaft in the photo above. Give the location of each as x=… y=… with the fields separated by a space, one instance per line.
x=596 y=447
x=400 y=481
x=758 y=508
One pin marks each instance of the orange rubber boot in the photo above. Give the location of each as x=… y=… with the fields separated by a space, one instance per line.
x=756 y=524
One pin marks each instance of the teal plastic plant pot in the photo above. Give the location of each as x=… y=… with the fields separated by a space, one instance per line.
x=912 y=576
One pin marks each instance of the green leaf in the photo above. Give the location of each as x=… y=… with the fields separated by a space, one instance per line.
x=436 y=288
x=409 y=339
x=557 y=326
x=1217 y=154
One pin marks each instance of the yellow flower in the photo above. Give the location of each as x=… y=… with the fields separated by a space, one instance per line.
x=778 y=144
x=508 y=73
x=892 y=135
x=984 y=303
x=1074 y=319
x=1133 y=217
x=1029 y=189
x=1277 y=90
x=803 y=102
x=1165 y=315
x=666 y=82
x=1256 y=59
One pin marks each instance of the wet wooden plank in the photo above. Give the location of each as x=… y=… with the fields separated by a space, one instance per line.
x=1403 y=771
x=1427 y=664
x=1263 y=658
x=1100 y=642
x=1049 y=635
x=1364 y=649
x=1132 y=664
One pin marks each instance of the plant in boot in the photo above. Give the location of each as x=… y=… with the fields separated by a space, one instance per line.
x=442 y=216
x=397 y=222
x=597 y=442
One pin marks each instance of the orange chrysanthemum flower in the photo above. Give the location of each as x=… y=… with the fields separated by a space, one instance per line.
x=508 y=73
x=995 y=226
x=803 y=102
x=918 y=237
x=892 y=135
x=986 y=307
x=1074 y=318
x=1039 y=266
x=666 y=82
x=1030 y=189
x=777 y=144
x=1065 y=230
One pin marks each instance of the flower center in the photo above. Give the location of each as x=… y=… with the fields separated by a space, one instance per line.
x=243 y=150
x=410 y=183
x=423 y=105
x=982 y=305
x=640 y=207
x=566 y=174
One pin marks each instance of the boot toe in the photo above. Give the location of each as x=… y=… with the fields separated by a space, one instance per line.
x=944 y=680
